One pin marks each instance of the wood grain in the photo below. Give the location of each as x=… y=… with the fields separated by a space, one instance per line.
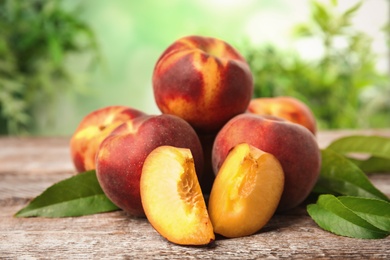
x=30 y=165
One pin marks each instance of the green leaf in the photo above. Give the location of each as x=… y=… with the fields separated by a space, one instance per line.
x=352 y=10
x=76 y=196
x=334 y=2
x=378 y=146
x=373 y=164
x=302 y=30
x=376 y=212
x=331 y=215
x=55 y=50
x=340 y=176
x=321 y=15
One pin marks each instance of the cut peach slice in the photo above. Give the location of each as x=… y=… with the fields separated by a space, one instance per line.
x=172 y=198
x=246 y=191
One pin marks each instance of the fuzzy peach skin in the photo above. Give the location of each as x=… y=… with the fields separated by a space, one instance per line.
x=292 y=144
x=285 y=107
x=121 y=155
x=93 y=129
x=202 y=80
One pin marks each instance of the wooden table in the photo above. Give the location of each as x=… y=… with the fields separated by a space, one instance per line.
x=30 y=165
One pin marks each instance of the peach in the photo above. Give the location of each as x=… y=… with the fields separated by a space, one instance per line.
x=122 y=154
x=292 y=144
x=246 y=191
x=203 y=80
x=288 y=108
x=93 y=129
x=172 y=198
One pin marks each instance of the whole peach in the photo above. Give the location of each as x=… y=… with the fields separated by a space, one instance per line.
x=203 y=80
x=93 y=129
x=292 y=144
x=121 y=155
x=289 y=108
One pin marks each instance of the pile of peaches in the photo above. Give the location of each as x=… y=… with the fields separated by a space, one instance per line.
x=215 y=161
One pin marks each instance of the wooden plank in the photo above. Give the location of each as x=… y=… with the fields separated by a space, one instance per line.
x=35 y=156
x=30 y=165
x=108 y=235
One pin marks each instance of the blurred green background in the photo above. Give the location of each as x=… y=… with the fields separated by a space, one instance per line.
x=60 y=60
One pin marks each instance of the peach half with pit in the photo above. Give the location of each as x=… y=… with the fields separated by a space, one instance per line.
x=172 y=198
x=93 y=129
x=292 y=144
x=203 y=80
x=246 y=191
x=121 y=155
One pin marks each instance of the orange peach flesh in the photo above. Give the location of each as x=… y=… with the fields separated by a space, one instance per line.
x=246 y=192
x=172 y=198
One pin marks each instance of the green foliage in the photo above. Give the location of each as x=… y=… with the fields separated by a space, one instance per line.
x=374 y=152
x=377 y=215
x=363 y=211
x=331 y=214
x=36 y=37
x=378 y=146
x=78 y=195
x=339 y=176
x=335 y=85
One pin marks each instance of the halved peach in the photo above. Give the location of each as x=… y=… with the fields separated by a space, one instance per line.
x=172 y=198
x=246 y=191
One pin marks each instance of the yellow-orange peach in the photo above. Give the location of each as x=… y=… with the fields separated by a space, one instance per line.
x=93 y=129
x=288 y=108
x=122 y=154
x=203 y=80
x=246 y=191
x=292 y=144
x=172 y=198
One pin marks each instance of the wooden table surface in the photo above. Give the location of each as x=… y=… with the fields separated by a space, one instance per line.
x=30 y=165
